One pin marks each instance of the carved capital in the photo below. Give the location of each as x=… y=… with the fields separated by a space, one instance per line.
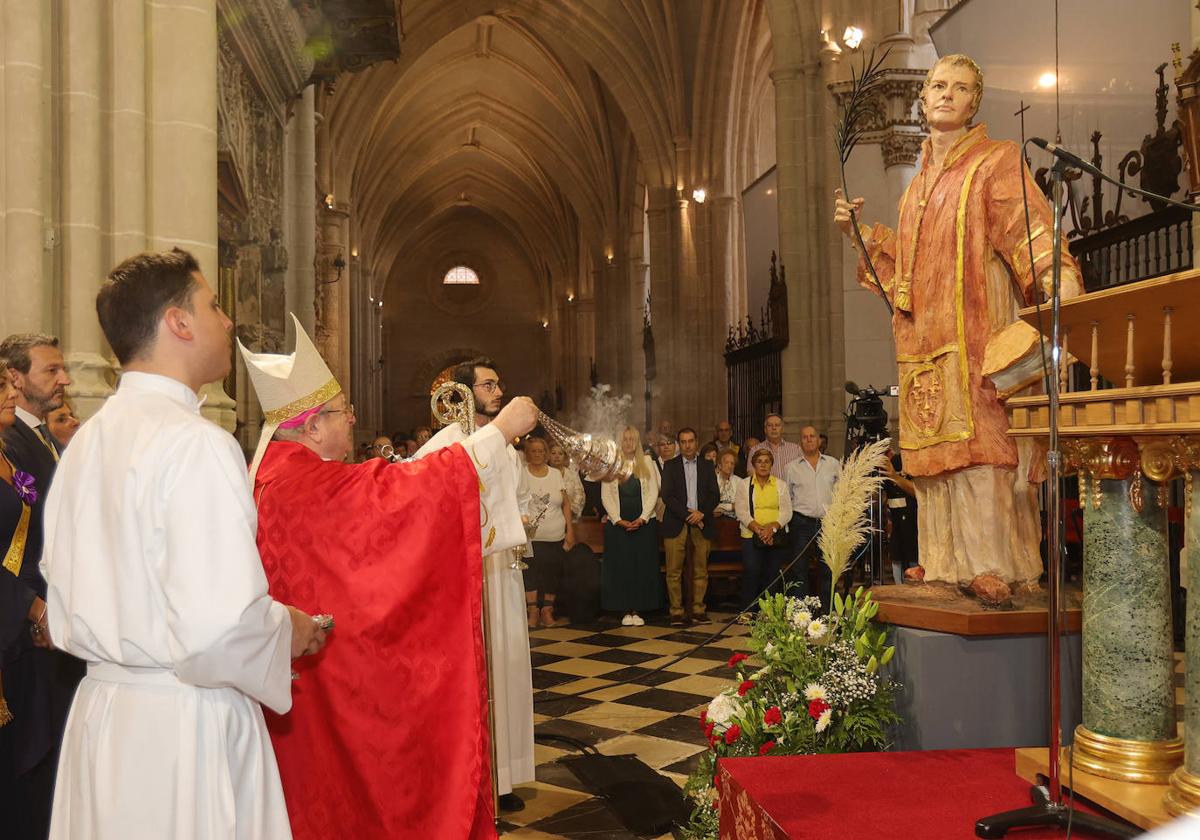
x=895 y=105
x=1157 y=459
x=901 y=147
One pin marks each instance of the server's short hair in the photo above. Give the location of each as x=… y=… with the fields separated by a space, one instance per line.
x=135 y=295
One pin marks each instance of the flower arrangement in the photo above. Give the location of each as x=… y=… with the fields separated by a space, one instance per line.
x=813 y=685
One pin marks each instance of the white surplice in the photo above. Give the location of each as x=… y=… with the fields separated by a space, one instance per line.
x=154 y=579
x=512 y=676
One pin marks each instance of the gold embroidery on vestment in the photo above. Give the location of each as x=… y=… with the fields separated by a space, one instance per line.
x=923 y=388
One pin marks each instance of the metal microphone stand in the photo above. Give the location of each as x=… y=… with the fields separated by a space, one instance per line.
x=1048 y=808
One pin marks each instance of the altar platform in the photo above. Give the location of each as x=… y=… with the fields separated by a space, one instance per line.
x=974 y=677
x=943 y=608
x=936 y=795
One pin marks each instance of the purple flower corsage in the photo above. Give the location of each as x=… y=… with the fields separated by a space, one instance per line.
x=23 y=483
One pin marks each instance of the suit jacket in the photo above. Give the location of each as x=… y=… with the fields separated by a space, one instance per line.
x=674 y=496
x=39 y=684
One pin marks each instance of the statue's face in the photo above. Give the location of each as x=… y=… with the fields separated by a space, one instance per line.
x=949 y=97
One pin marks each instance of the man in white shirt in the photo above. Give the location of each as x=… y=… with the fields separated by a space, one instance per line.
x=810 y=481
x=155 y=580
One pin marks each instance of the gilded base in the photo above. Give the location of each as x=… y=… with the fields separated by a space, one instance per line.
x=1183 y=797
x=1126 y=760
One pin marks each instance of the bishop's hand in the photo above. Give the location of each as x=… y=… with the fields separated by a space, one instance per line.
x=308 y=636
x=516 y=418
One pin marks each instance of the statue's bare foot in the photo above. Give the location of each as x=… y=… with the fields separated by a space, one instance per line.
x=914 y=574
x=991 y=591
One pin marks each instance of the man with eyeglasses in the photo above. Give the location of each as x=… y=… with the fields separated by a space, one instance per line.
x=393 y=552
x=512 y=677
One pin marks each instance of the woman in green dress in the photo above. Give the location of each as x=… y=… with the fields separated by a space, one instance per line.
x=630 y=582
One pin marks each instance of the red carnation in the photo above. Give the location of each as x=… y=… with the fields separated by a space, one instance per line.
x=703 y=717
x=736 y=658
x=816 y=707
x=744 y=687
x=773 y=717
x=733 y=733
x=766 y=748
x=708 y=730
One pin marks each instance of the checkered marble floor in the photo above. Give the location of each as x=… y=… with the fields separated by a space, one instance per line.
x=577 y=673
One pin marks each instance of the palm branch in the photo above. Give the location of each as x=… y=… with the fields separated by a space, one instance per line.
x=856 y=108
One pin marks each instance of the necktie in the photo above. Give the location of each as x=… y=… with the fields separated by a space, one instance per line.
x=43 y=432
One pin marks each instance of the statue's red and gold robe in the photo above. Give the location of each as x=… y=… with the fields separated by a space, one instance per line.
x=388 y=736
x=956 y=269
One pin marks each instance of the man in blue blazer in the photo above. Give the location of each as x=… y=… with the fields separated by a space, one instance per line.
x=690 y=498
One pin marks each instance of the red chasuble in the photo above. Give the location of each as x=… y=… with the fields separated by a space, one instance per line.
x=387 y=737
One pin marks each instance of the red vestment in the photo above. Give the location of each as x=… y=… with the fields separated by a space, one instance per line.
x=387 y=737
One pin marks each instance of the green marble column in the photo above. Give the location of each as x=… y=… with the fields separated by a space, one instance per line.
x=1184 y=794
x=1128 y=689
x=1191 y=726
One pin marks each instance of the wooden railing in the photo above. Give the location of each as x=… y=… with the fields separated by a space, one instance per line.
x=1148 y=246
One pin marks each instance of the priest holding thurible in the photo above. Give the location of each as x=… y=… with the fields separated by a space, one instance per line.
x=393 y=551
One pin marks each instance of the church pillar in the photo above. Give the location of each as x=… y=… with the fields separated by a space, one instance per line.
x=300 y=210
x=24 y=164
x=1128 y=730
x=812 y=362
x=333 y=282
x=84 y=257
x=664 y=305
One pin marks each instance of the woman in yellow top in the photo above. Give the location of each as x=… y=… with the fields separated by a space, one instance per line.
x=764 y=507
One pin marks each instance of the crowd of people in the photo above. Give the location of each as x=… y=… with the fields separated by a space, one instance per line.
x=774 y=490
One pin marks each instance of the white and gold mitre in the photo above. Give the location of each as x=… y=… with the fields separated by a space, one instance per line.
x=287 y=386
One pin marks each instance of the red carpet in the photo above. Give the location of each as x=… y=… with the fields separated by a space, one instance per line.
x=912 y=795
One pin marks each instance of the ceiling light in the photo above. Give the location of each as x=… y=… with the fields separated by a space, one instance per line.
x=852 y=37
x=1047 y=80
x=699 y=194
x=570 y=297
x=545 y=324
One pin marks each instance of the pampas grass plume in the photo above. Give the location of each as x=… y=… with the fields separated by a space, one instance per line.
x=844 y=527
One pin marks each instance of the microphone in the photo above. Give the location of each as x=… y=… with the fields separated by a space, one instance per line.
x=1065 y=155
x=851 y=388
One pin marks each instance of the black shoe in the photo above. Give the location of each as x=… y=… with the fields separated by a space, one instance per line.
x=511 y=803
x=678 y=621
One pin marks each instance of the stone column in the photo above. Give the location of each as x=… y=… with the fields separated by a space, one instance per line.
x=24 y=150
x=84 y=256
x=300 y=211
x=1128 y=731
x=813 y=359
x=332 y=295
x=1184 y=794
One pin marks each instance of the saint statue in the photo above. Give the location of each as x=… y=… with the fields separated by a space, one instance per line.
x=956 y=270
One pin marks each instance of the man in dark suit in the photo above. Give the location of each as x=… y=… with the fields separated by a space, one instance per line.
x=690 y=498
x=40 y=681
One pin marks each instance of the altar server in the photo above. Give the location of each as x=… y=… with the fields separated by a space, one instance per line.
x=153 y=579
x=388 y=737
x=512 y=678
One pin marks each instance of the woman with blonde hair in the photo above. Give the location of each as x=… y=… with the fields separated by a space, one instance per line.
x=630 y=582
